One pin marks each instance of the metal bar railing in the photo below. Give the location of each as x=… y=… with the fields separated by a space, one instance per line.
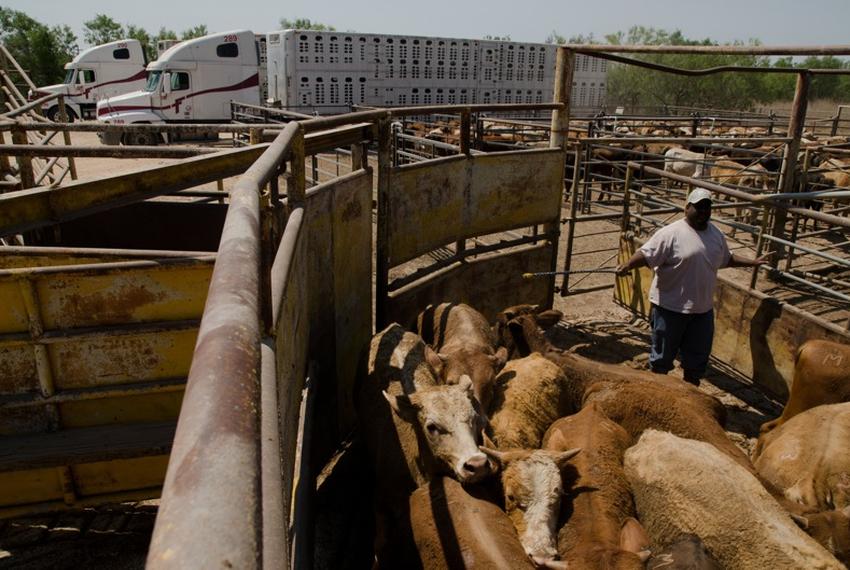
x=211 y=510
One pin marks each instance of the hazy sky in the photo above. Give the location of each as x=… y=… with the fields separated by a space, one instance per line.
x=775 y=22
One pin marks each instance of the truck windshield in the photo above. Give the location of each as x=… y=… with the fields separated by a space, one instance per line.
x=153 y=80
x=69 y=76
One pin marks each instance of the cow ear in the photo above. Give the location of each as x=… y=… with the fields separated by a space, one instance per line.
x=801 y=521
x=434 y=360
x=549 y=318
x=465 y=383
x=402 y=406
x=633 y=538
x=500 y=358
x=562 y=458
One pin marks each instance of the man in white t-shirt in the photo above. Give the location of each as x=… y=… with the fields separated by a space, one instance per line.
x=685 y=256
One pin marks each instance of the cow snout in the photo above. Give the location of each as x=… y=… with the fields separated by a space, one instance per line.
x=476 y=467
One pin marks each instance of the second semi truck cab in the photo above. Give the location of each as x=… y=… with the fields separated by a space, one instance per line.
x=95 y=74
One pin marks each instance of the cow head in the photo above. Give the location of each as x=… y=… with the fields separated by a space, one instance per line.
x=829 y=528
x=481 y=367
x=447 y=421
x=531 y=480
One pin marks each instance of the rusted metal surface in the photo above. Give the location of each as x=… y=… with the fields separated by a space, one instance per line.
x=439 y=202
x=714 y=50
x=31 y=209
x=105 y=151
x=213 y=476
x=490 y=284
x=73 y=360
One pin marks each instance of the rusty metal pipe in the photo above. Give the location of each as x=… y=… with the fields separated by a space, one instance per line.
x=211 y=510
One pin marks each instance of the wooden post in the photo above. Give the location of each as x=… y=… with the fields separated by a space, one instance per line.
x=382 y=266
x=558 y=138
x=627 y=194
x=786 y=178
x=63 y=116
x=465 y=129
x=25 y=172
x=358 y=157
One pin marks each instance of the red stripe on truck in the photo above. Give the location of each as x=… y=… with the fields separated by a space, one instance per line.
x=140 y=75
x=252 y=81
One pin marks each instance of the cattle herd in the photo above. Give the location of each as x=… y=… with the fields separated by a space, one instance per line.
x=492 y=448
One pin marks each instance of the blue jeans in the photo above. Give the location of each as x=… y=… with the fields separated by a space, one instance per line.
x=687 y=335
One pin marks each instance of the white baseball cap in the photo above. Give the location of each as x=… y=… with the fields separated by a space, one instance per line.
x=698 y=195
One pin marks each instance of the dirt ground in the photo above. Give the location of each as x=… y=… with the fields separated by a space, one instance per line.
x=117 y=536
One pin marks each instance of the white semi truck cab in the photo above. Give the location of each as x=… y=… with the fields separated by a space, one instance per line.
x=192 y=82
x=96 y=73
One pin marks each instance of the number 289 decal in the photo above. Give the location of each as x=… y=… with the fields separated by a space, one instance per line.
x=230 y=38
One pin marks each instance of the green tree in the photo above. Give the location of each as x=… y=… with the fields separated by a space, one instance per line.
x=304 y=24
x=41 y=51
x=148 y=43
x=165 y=34
x=196 y=32
x=102 y=29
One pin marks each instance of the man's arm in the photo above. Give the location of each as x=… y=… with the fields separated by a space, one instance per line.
x=637 y=260
x=738 y=261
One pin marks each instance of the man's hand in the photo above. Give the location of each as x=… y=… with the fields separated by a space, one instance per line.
x=623 y=269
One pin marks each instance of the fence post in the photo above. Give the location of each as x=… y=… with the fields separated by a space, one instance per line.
x=558 y=137
x=66 y=136
x=786 y=179
x=19 y=137
x=381 y=243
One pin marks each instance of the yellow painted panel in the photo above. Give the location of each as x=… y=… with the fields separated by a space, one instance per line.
x=86 y=298
x=439 y=202
x=17 y=369
x=121 y=410
x=36 y=485
x=121 y=475
x=121 y=359
x=13 y=313
x=51 y=259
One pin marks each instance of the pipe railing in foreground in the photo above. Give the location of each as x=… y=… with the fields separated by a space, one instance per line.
x=211 y=510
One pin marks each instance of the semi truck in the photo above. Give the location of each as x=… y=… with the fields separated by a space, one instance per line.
x=94 y=74
x=192 y=82
x=328 y=72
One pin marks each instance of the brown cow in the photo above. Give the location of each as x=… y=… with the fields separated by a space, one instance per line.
x=601 y=532
x=428 y=428
x=683 y=486
x=532 y=489
x=641 y=400
x=530 y=394
x=808 y=458
x=466 y=345
x=821 y=376
x=453 y=529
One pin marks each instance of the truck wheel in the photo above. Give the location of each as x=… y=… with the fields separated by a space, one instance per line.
x=53 y=114
x=142 y=139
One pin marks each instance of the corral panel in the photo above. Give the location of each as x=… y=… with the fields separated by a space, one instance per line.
x=488 y=284
x=129 y=295
x=470 y=196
